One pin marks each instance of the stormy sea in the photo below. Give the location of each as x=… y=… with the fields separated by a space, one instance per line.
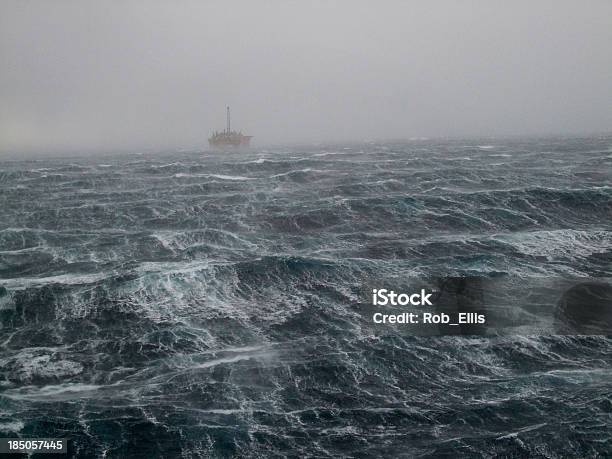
x=209 y=304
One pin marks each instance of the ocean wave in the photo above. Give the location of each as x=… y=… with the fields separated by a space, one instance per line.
x=214 y=302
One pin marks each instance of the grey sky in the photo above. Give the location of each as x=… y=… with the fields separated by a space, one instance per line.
x=135 y=74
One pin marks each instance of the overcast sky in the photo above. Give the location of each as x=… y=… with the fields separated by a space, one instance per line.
x=144 y=74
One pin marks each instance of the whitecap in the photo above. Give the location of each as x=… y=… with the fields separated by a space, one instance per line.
x=53 y=391
x=330 y=153
x=230 y=177
x=12 y=426
x=217 y=176
x=66 y=279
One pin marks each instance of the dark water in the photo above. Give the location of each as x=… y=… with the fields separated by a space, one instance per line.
x=188 y=305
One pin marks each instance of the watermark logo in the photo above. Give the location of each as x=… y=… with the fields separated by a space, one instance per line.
x=384 y=297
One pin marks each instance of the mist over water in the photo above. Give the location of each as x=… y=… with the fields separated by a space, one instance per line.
x=140 y=76
x=196 y=304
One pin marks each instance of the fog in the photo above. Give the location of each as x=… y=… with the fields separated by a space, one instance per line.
x=135 y=74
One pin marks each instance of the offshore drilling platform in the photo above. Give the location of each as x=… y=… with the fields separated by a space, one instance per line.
x=229 y=138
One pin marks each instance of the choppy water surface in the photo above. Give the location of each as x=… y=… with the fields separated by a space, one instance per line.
x=198 y=305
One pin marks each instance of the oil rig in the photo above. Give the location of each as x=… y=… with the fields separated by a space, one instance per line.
x=229 y=138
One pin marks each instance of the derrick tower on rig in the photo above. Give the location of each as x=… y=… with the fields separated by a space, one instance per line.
x=229 y=138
